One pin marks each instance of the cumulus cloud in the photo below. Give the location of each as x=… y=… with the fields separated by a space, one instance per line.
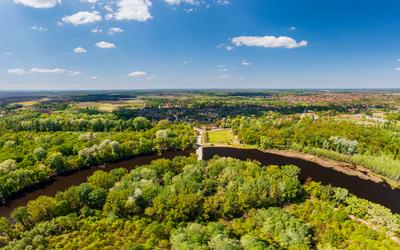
x=114 y=30
x=80 y=50
x=39 y=4
x=138 y=10
x=105 y=45
x=268 y=42
x=20 y=71
x=82 y=17
x=137 y=74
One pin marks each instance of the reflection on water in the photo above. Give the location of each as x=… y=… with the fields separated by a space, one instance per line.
x=376 y=192
x=61 y=183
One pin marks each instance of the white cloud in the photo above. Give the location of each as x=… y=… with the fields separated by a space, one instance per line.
x=38 y=3
x=138 y=10
x=397 y=69
x=108 y=8
x=73 y=73
x=89 y=1
x=109 y=16
x=293 y=28
x=82 y=17
x=246 y=63
x=7 y=53
x=223 y=2
x=48 y=71
x=80 y=50
x=94 y=77
x=54 y=71
x=177 y=2
x=224 y=46
x=39 y=28
x=19 y=71
x=137 y=74
x=268 y=42
x=224 y=77
x=190 y=10
x=105 y=45
x=97 y=30
x=114 y=30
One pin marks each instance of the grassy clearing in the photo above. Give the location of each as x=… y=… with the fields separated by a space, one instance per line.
x=28 y=103
x=108 y=106
x=224 y=137
x=221 y=137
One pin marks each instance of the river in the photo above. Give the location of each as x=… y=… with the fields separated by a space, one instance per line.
x=62 y=182
x=376 y=192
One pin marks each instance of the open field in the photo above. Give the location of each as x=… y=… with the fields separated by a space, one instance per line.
x=222 y=136
x=110 y=106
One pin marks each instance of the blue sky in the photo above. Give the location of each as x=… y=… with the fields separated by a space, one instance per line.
x=136 y=44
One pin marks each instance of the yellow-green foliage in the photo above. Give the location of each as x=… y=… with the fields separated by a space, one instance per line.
x=220 y=137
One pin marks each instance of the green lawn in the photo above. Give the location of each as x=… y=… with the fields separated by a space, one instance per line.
x=221 y=137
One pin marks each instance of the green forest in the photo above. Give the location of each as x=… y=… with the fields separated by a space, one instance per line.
x=32 y=156
x=188 y=204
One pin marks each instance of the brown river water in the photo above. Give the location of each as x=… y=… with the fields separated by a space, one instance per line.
x=376 y=192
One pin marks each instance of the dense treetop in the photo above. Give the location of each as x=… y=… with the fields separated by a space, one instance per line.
x=30 y=157
x=186 y=204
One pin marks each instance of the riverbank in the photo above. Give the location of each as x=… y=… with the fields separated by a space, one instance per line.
x=351 y=169
x=62 y=182
x=343 y=167
x=366 y=188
